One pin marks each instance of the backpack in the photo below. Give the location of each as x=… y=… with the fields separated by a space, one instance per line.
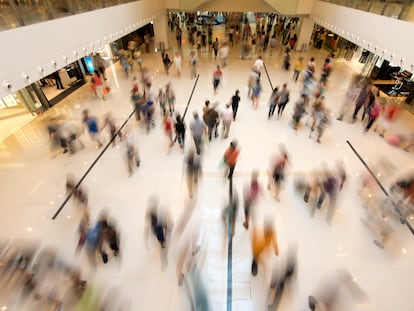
x=94 y=234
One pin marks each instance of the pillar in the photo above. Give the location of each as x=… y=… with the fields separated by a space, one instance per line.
x=305 y=33
x=161 y=31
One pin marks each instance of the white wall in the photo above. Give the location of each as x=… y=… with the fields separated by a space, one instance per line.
x=375 y=33
x=285 y=7
x=304 y=6
x=25 y=49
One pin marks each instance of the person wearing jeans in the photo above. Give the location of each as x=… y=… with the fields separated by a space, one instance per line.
x=230 y=158
x=198 y=129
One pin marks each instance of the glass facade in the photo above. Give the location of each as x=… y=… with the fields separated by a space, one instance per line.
x=16 y=13
x=398 y=9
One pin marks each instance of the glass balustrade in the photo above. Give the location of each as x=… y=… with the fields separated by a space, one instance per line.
x=16 y=13
x=398 y=9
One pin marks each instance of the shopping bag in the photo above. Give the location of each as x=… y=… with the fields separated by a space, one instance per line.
x=106 y=90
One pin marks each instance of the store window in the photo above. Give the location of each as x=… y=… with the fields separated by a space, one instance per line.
x=18 y=109
x=61 y=80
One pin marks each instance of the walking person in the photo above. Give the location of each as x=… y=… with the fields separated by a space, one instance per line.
x=283 y=99
x=125 y=65
x=166 y=61
x=321 y=121
x=168 y=129
x=262 y=241
x=230 y=158
x=91 y=123
x=365 y=99
x=192 y=170
x=235 y=104
x=224 y=53
x=94 y=241
x=328 y=186
x=170 y=96
x=373 y=114
x=138 y=101
x=211 y=119
x=257 y=90
x=99 y=85
x=326 y=71
x=250 y=195
x=178 y=36
x=162 y=99
x=109 y=121
x=193 y=64
x=179 y=127
x=148 y=108
x=273 y=101
x=298 y=68
x=198 y=129
x=178 y=63
x=299 y=110
x=258 y=65
x=215 y=47
x=278 y=173
x=217 y=76
x=227 y=116
x=133 y=159
x=286 y=59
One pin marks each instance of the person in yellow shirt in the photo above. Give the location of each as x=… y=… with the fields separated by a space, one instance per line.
x=261 y=242
x=298 y=69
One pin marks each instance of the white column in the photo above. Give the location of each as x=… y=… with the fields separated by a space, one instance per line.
x=305 y=33
x=161 y=31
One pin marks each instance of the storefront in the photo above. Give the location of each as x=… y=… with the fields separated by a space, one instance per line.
x=18 y=109
x=62 y=82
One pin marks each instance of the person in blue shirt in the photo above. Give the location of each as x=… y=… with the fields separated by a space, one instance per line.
x=91 y=124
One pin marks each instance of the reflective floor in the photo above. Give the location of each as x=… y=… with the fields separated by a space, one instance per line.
x=33 y=181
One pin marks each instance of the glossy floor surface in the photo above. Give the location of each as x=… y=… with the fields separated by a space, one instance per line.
x=32 y=187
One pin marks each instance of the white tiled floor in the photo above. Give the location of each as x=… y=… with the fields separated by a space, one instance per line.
x=32 y=188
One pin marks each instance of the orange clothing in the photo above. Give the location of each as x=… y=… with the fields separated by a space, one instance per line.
x=230 y=156
x=261 y=242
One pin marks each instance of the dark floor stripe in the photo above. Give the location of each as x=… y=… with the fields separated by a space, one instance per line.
x=230 y=253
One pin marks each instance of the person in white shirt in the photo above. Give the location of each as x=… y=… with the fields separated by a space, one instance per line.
x=224 y=52
x=133 y=158
x=178 y=63
x=258 y=65
x=227 y=116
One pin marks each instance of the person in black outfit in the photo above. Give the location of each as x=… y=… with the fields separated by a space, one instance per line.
x=235 y=103
x=180 y=130
x=58 y=81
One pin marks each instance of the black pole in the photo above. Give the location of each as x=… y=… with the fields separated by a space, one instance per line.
x=90 y=167
x=191 y=96
x=268 y=77
x=396 y=208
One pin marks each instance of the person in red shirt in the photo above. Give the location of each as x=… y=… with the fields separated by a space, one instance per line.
x=168 y=128
x=230 y=158
x=217 y=75
x=251 y=193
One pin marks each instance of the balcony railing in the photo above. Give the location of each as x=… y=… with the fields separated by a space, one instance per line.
x=398 y=9
x=16 y=13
